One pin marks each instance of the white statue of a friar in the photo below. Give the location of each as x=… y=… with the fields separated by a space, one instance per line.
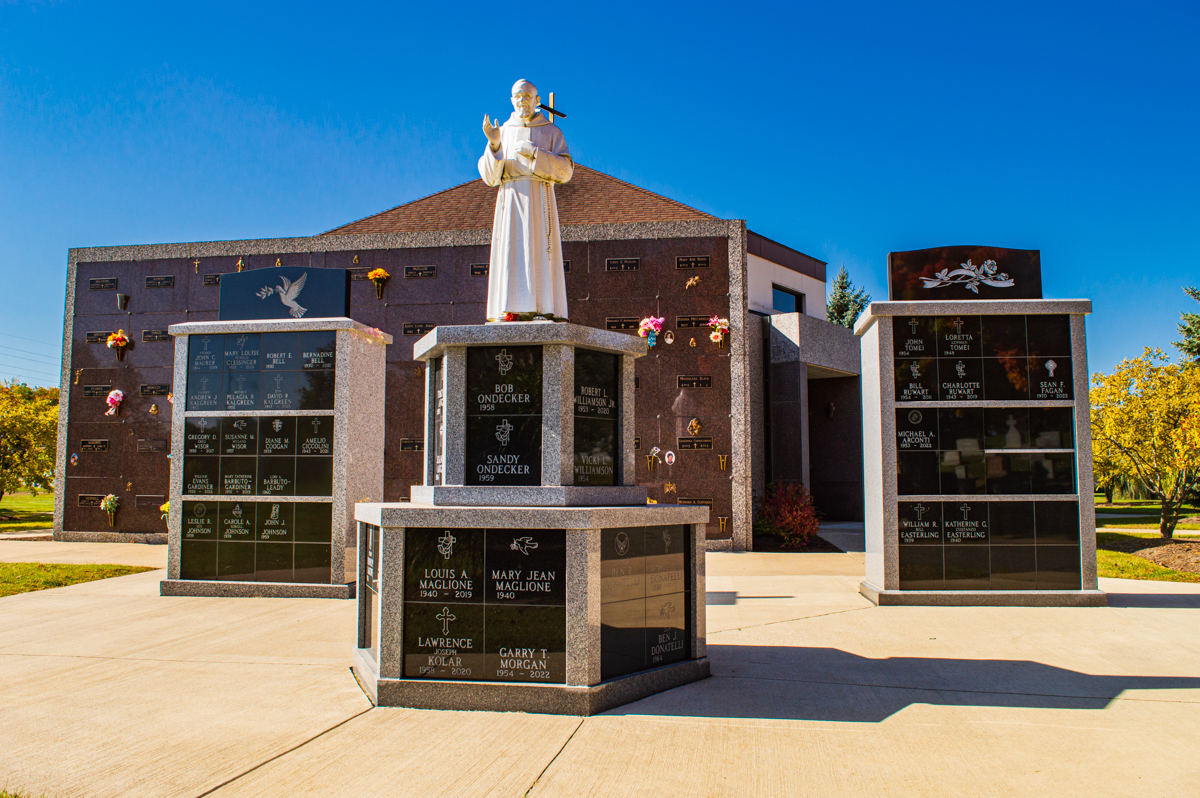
x=525 y=157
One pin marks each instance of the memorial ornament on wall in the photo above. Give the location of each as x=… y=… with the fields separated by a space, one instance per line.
x=652 y=458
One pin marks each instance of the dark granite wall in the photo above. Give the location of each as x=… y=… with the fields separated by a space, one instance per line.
x=454 y=296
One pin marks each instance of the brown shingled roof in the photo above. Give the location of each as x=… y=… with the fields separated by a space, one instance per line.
x=590 y=197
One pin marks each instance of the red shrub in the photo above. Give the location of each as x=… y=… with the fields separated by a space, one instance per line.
x=787 y=512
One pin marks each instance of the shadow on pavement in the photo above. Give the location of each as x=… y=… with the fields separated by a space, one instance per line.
x=827 y=684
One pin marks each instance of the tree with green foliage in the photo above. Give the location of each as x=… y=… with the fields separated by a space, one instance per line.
x=28 y=437
x=845 y=302
x=1189 y=328
x=1146 y=426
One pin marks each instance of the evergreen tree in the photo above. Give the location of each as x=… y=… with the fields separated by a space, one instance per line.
x=845 y=302
x=1189 y=328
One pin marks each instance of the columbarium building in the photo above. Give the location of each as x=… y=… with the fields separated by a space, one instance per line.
x=777 y=400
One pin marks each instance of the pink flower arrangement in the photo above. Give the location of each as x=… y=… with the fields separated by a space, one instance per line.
x=719 y=327
x=115 y=397
x=650 y=327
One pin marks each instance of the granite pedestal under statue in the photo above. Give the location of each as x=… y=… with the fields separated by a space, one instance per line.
x=528 y=572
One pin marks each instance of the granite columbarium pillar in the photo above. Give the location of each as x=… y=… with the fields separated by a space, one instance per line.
x=977 y=443
x=277 y=429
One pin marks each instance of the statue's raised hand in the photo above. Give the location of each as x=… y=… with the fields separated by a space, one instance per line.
x=492 y=132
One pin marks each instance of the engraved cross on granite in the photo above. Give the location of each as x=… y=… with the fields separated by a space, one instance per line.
x=912 y=323
x=966 y=509
x=445 y=617
x=958 y=324
x=920 y=510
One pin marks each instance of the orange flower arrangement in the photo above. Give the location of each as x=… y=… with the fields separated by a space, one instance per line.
x=117 y=342
x=380 y=278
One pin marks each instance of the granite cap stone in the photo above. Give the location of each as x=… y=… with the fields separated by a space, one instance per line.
x=405 y=514
x=514 y=333
x=976 y=307
x=276 y=325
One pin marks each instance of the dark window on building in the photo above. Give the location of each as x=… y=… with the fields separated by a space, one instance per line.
x=784 y=300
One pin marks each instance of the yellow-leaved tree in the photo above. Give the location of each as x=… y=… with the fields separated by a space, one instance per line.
x=1146 y=426
x=28 y=437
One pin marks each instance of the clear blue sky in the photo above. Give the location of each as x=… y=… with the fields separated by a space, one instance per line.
x=845 y=130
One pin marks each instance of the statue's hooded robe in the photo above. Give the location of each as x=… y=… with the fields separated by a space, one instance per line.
x=526 y=272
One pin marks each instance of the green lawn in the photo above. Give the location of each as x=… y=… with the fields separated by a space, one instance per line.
x=24 y=577
x=1122 y=565
x=28 y=512
x=1141 y=523
x=1141 y=507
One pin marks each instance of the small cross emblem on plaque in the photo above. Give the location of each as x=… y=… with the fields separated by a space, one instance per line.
x=241 y=381
x=966 y=509
x=912 y=323
x=445 y=617
x=278 y=379
x=446 y=545
x=504 y=359
x=920 y=510
x=958 y=323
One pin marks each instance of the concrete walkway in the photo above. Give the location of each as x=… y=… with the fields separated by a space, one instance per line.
x=107 y=689
x=83 y=553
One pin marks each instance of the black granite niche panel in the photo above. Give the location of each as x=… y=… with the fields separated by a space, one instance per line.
x=504 y=416
x=914 y=337
x=916 y=380
x=485 y=604
x=261 y=371
x=205 y=392
x=644 y=590
x=989 y=545
x=596 y=417
x=258 y=456
x=249 y=541
x=975 y=451
x=971 y=358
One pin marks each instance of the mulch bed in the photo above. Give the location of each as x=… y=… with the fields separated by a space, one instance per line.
x=772 y=543
x=1175 y=554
